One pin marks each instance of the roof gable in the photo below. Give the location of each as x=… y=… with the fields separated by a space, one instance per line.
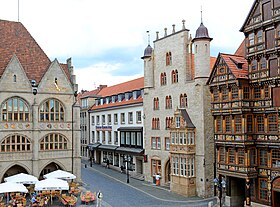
x=55 y=80
x=14 y=77
x=236 y=65
x=254 y=15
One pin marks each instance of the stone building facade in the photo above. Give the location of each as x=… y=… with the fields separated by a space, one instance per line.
x=39 y=122
x=175 y=78
x=116 y=127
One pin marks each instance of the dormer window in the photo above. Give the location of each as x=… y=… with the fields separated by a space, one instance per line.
x=134 y=94
x=97 y=102
x=120 y=97
x=101 y=101
x=113 y=99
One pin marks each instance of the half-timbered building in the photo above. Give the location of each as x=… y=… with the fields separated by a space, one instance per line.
x=246 y=109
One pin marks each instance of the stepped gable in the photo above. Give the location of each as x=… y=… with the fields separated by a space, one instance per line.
x=16 y=40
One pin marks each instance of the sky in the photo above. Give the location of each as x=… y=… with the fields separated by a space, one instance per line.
x=106 y=39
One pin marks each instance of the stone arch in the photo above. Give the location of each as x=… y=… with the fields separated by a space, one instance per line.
x=14 y=169
x=167 y=171
x=276 y=191
x=51 y=166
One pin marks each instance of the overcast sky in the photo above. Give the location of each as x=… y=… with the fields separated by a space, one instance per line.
x=106 y=38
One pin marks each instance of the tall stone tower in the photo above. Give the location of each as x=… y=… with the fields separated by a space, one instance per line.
x=175 y=78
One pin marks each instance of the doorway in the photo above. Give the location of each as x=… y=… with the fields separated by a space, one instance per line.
x=276 y=192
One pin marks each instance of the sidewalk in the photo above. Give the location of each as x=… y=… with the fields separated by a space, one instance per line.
x=159 y=192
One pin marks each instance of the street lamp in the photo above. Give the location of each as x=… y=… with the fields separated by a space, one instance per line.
x=221 y=184
x=127 y=159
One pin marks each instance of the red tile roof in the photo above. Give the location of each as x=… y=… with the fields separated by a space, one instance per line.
x=117 y=103
x=241 y=49
x=232 y=61
x=16 y=40
x=131 y=85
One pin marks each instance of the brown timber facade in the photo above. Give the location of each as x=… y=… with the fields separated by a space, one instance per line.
x=246 y=109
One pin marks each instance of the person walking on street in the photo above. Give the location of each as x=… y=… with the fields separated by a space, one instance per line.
x=107 y=163
x=99 y=199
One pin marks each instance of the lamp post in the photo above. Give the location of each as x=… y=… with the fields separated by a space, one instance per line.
x=127 y=159
x=221 y=184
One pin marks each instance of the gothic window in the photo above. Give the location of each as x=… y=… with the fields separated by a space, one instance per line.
x=168 y=121
x=15 y=78
x=52 y=110
x=163 y=79
x=15 y=143
x=183 y=100
x=155 y=123
x=174 y=75
x=53 y=142
x=168 y=58
x=156 y=103
x=15 y=109
x=168 y=102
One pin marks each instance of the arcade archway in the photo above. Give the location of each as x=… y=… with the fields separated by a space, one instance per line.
x=49 y=168
x=16 y=169
x=276 y=192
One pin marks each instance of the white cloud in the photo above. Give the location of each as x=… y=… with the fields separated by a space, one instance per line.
x=86 y=28
x=89 y=78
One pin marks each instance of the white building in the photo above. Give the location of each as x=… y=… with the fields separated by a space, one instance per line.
x=116 y=126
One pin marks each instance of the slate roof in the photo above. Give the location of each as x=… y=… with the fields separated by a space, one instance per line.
x=187 y=118
x=16 y=40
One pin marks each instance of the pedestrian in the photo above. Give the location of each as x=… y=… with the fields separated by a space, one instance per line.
x=158 y=179
x=107 y=163
x=99 y=198
x=122 y=168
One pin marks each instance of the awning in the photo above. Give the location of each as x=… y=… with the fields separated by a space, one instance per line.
x=129 y=150
x=105 y=147
x=131 y=129
x=93 y=146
